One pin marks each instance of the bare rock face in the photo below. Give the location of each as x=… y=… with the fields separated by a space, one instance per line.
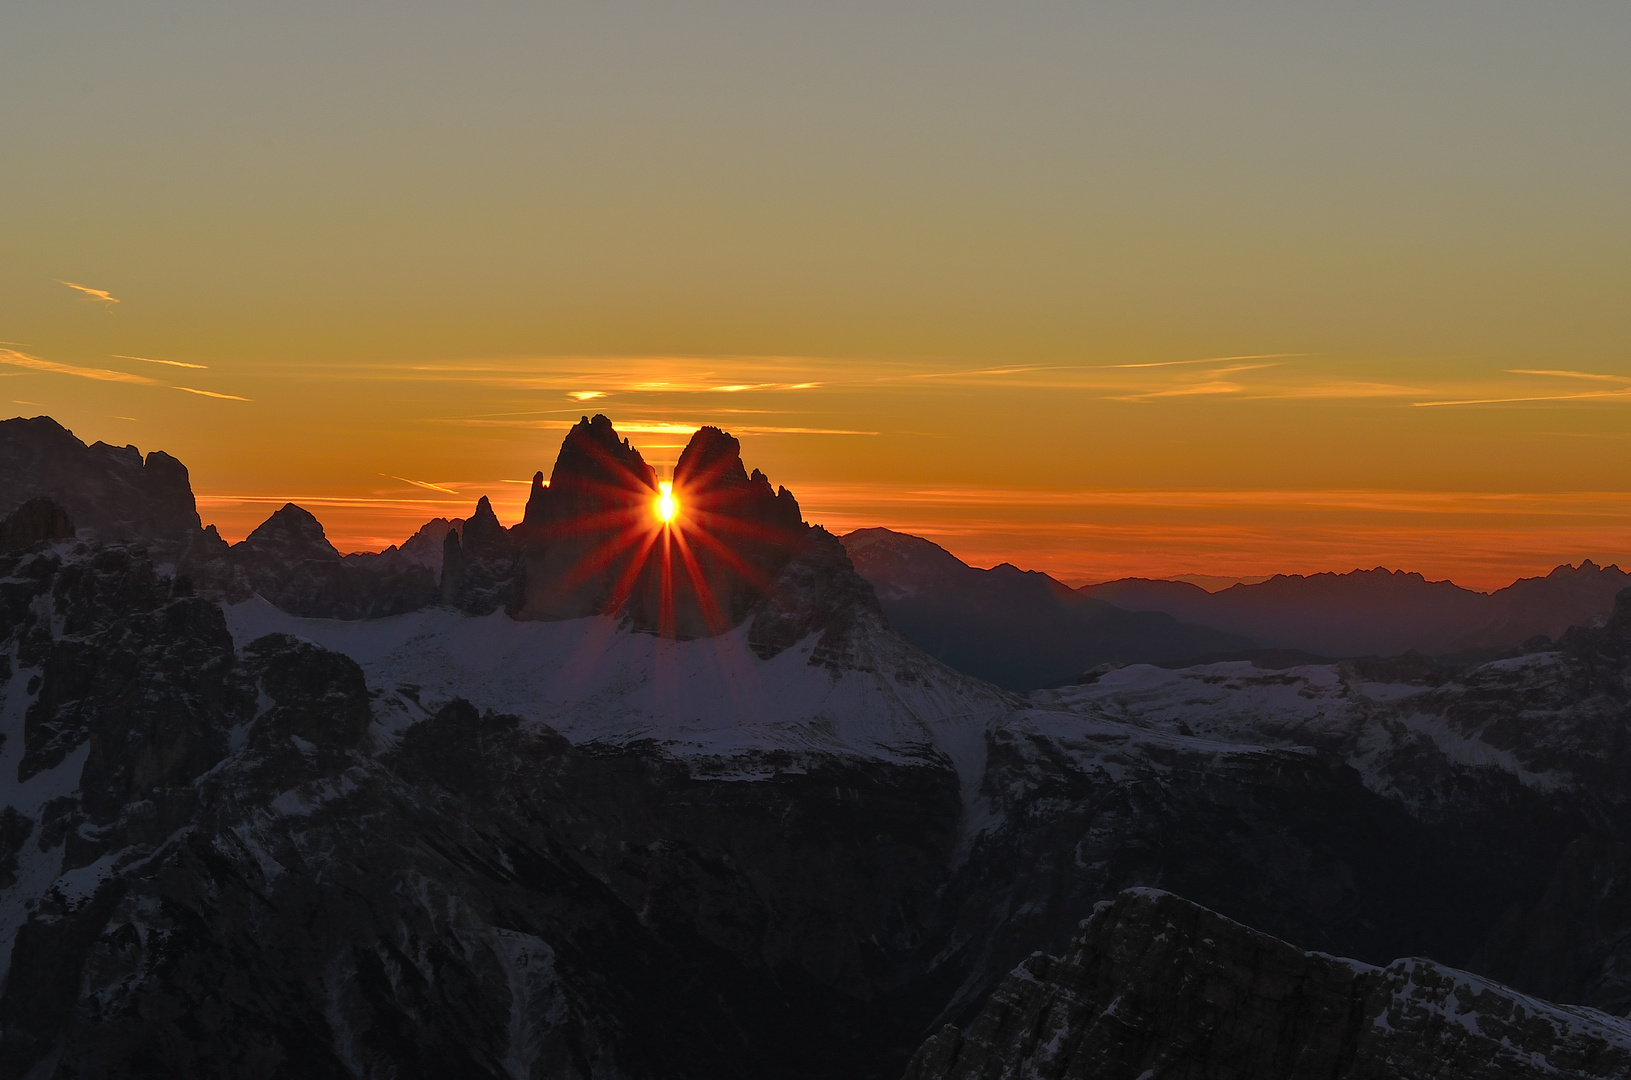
x=586 y=533
x=1156 y=988
x=732 y=536
x=480 y=563
x=110 y=492
x=36 y=521
x=594 y=543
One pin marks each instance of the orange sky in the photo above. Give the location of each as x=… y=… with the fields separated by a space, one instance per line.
x=1155 y=289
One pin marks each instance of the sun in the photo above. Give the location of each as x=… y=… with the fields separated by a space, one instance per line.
x=666 y=506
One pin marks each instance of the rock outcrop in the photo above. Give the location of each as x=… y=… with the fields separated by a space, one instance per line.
x=109 y=492
x=481 y=564
x=594 y=544
x=588 y=532
x=289 y=561
x=1156 y=988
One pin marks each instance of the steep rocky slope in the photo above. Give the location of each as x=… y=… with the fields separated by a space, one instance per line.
x=1155 y=988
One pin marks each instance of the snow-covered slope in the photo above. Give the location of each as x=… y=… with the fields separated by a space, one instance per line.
x=595 y=680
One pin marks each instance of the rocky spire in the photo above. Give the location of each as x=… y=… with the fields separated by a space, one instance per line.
x=595 y=546
x=534 y=514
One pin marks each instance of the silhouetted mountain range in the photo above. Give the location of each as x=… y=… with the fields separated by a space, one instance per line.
x=768 y=838
x=1023 y=629
x=1017 y=628
x=1382 y=612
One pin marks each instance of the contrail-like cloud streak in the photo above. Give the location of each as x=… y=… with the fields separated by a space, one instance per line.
x=101 y=296
x=212 y=394
x=170 y=363
x=34 y=363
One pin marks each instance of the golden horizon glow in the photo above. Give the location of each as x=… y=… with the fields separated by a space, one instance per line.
x=979 y=277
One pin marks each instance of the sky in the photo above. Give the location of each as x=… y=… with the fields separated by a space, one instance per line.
x=1097 y=288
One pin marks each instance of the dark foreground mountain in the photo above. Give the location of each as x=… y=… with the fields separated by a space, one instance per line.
x=1017 y=628
x=238 y=841
x=1156 y=988
x=1382 y=612
x=110 y=492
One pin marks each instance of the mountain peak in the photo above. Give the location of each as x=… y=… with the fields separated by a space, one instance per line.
x=711 y=459
x=595 y=544
x=292 y=534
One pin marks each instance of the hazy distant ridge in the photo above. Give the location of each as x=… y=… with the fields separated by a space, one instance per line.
x=1382 y=612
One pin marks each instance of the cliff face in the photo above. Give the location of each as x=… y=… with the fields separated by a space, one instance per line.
x=587 y=533
x=110 y=492
x=1156 y=988
x=593 y=543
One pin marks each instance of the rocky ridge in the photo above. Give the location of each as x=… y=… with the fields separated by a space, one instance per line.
x=109 y=492
x=1153 y=987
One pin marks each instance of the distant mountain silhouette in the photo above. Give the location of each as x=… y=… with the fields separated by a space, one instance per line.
x=1020 y=629
x=288 y=560
x=1016 y=628
x=1381 y=612
x=423 y=548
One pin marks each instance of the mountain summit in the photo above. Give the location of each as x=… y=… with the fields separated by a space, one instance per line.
x=594 y=543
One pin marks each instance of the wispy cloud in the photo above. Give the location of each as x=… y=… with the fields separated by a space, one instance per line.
x=420 y=484
x=586 y=395
x=990 y=371
x=1570 y=374
x=737 y=388
x=1597 y=395
x=1215 y=386
x=1203 y=360
x=1335 y=391
x=1621 y=391
x=100 y=296
x=213 y=394
x=151 y=360
x=34 y=363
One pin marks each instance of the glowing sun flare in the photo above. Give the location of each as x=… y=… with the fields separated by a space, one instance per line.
x=666 y=506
